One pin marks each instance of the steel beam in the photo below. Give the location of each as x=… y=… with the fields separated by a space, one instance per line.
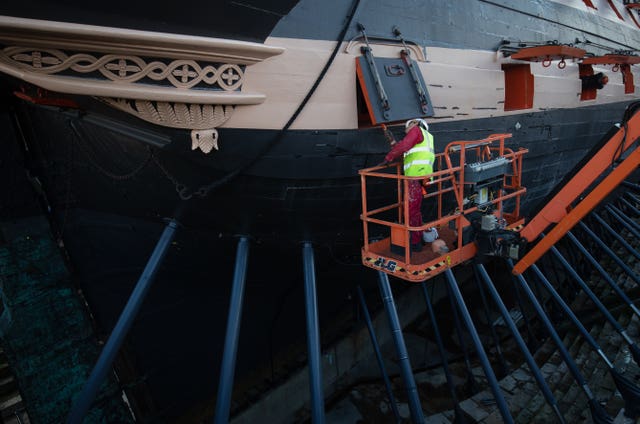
x=228 y=367
x=537 y=374
x=378 y=352
x=83 y=402
x=417 y=416
x=484 y=360
x=313 y=335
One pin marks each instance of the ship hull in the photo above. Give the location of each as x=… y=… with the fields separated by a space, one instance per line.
x=286 y=168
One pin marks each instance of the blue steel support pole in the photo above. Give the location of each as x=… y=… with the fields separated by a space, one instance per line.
x=633 y=197
x=623 y=219
x=376 y=349
x=603 y=273
x=463 y=345
x=633 y=186
x=610 y=252
x=417 y=416
x=531 y=338
x=496 y=341
x=546 y=391
x=228 y=366
x=630 y=206
x=571 y=365
x=603 y=309
x=443 y=353
x=569 y=313
x=107 y=356
x=313 y=335
x=617 y=236
x=486 y=366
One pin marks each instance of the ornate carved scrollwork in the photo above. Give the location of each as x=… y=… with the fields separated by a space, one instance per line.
x=171 y=80
x=201 y=119
x=126 y=68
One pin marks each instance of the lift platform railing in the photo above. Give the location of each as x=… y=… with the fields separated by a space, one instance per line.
x=472 y=178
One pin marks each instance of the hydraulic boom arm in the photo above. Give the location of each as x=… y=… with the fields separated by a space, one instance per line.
x=557 y=210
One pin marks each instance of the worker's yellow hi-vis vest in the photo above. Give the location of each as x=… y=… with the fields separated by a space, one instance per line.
x=418 y=161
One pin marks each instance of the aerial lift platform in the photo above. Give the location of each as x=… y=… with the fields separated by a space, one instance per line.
x=475 y=198
x=481 y=178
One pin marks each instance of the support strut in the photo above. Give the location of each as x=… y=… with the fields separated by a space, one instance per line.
x=313 y=335
x=535 y=370
x=107 y=356
x=610 y=252
x=629 y=391
x=378 y=352
x=635 y=351
x=459 y=415
x=228 y=366
x=417 y=416
x=607 y=278
x=598 y=414
x=486 y=366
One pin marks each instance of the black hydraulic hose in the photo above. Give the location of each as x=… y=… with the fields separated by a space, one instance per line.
x=203 y=191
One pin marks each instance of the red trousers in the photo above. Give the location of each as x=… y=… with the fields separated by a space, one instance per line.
x=415 y=214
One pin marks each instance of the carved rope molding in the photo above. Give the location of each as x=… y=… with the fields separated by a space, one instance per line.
x=125 y=69
x=200 y=75
x=201 y=119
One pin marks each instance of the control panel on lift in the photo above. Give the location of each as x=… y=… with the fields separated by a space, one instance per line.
x=471 y=207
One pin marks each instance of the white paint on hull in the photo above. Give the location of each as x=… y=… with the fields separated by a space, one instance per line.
x=463 y=84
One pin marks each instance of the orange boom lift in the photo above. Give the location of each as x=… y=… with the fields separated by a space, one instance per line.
x=481 y=179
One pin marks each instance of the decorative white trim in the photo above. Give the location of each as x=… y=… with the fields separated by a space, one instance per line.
x=172 y=80
x=200 y=119
x=175 y=115
x=124 y=68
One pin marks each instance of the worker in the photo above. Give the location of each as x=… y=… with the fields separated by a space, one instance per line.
x=419 y=156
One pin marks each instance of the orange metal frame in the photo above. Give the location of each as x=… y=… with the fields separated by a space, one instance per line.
x=549 y=53
x=612 y=59
x=557 y=210
x=449 y=181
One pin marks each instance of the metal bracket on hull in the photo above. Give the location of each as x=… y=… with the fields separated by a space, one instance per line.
x=366 y=51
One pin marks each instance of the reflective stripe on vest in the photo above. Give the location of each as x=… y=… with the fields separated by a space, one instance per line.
x=418 y=161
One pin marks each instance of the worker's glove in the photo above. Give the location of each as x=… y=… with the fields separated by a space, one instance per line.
x=388 y=135
x=390 y=138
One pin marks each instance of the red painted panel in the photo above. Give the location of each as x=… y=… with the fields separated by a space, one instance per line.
x=518 y=87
